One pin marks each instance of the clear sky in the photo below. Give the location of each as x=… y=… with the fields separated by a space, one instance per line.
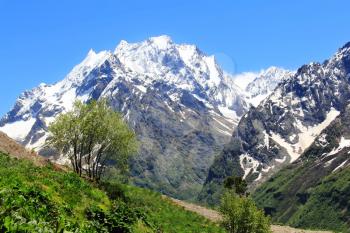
x=40 y=41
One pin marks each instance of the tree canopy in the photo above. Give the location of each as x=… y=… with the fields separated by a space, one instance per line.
x=238 y=184
x=93 y=136
x=240 y=215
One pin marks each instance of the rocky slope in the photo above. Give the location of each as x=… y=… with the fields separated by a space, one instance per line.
x=12 y=148
x=285 y=124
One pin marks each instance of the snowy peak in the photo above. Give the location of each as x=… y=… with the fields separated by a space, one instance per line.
x=184 y=69
x=159 y=57
x=257 y=86
x=267 y=81
x=91 y=61
x=162 y=42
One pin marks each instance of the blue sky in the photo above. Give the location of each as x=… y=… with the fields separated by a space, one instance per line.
x=40 y=41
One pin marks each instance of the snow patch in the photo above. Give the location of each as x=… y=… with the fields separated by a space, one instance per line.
x=228 y=113
x=281 y=160
x=340 y=166
x=289 y=148
x=308 y=134
x=344 y=143
x=18 y=130
x=248 y=164
x=244 y=79
x=306 y=137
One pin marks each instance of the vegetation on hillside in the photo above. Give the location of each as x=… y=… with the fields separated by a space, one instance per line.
x=45 y=199
x=93 y=136
x=237 y=184
x=240 y=215
x=239 y=212
x=289 y=198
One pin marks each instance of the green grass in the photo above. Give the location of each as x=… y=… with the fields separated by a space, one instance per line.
x=42 y=199
x=167 y=216
x=26 y=189
x=303 y=198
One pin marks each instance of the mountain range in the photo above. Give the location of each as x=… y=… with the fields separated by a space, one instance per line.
x=179 y=102
x=283 y=128
x=285 y=132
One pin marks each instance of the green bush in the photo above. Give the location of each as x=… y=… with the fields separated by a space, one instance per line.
x=27 y=209
x=240 y=215
x=120 y=219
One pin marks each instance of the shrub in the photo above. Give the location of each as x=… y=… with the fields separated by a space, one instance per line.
x=27 y=210
x=240 y=215
x=120 y=219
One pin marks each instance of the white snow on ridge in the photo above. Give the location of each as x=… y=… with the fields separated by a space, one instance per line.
x=18 y=130
x=344 y=143
x=244 y=79
x=257 y=86
x=157 y=58
x=92 y=60
x=248 y=164
x=306 y=137
x=214 y=74
x=228 y=113
x=289 y=147
x=340 y=166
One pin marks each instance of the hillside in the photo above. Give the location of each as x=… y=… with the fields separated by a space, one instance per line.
x=314 y=191
x=44 y=199
x=10 y=146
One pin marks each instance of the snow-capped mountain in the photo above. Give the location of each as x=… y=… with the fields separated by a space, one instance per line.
x=258 y=85
x=286 y=123
x=176 y=98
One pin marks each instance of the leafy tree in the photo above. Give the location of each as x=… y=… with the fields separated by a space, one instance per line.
x=93 y=136
x=240 y=215
x=236 y=183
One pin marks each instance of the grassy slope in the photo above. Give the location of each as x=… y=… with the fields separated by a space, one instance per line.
x=322 y=204
x=168 y=216
x=56 y=197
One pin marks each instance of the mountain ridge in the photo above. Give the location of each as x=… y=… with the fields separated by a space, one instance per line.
x=179 y=102
x=286 y=123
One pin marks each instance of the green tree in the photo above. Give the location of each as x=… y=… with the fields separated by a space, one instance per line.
x=93 y=136
x=240 y=215
x=238 y=184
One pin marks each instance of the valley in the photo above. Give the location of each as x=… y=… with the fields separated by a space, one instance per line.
x=284 y=132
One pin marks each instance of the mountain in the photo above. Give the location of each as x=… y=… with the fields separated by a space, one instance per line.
x=265 y=83
x=314 y=191
x=284 y=125
x=177 y=99
x=258 y=85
